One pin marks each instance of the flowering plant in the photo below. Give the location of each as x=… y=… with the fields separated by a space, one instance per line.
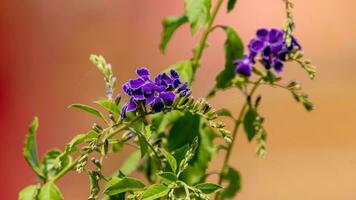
x=175 y=135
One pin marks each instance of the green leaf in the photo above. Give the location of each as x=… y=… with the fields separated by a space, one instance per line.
x=109 y=106
x=233 y=50
x=168 y=177
x=170 y=25
x=171 y=161
x=224 y=112
x=198 y=13
x=29 y=192
x=208 y=188
x=50 y=192
x=94 y=185
x=155 y=191
x=143 y=144
x=163 y=121
x=80 y=138
x=249 y=123
x=124 y=185
x=30 y=148
x=231 y=5
x=88 y=109
x=185 y=70
x=131 y=163
x=234 y=180
x=183 y=132
x=54 y=162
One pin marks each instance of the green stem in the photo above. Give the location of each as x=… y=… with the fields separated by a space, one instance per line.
x=74 y=162
x=234 y=133
x=202 y=43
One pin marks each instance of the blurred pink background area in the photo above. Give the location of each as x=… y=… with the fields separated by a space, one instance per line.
x=44 y=67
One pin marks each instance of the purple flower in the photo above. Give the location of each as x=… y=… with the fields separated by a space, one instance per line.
x=155 y=95
x=270 y=45
x=244 y=66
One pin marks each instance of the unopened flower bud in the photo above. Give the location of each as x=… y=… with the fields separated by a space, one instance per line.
x=118 y=99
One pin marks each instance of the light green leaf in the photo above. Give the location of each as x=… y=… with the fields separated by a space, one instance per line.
x=170 y=25
x=233 y=51
x=30 y=148
x=155 y=191
x=80 y=138
x=109 y=106
x=208 y=188
x=88 y=109
x=234 y=180
x=185 y=70
x=50 y=192
x=124 y=185
x=131 y=163
x=171 y=161
x=168 y=177
x=198 y=13
x=29 y=192
x=52 y=165
x=249 y=123
x=231 y=5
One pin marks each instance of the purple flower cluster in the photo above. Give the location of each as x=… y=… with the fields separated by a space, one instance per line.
x=271 y=46
x=157 y=94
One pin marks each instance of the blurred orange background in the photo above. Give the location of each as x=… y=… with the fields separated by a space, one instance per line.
x=44 y=67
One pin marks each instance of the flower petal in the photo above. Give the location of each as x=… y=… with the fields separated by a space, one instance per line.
x=143 y=72
x=168 y=97
x=158 y=105
x=136 y=83
x=131 y=105
x=174 y=74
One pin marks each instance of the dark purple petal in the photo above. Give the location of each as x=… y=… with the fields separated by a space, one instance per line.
x=123 y=111
x=176 y=83
x=138 y=94
x=127 y=89
x=182 y=86
x=143 y=72
x=150 y=99
x=136 y=83
x=278 y=65
x=131 y=105
x=244 y=66
x=148 y=88
x=174 y=74
x=295 y=45
x=168 y=97
x=157 y=105
x=275 y=35
x=168 y=80
x=256 y=45
x=262 y=33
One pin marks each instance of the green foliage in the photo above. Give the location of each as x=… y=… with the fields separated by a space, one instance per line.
x=131 y=163
x=125 y=184
x=168 y=177
x=208 y=188
x=54 y=162
x=233 y=179
x=109 y=106
x=231 y=5
x=171 y=161
x=197 y=12
x=50 y=191
x=30 y=148
x=155 y=191
x=173 y=148
x=88 y=109
x=249 y=123
x=29 y=192
x=170 y=25
x=233 y=50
